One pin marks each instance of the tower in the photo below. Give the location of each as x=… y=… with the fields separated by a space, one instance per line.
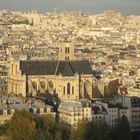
x=66 y=50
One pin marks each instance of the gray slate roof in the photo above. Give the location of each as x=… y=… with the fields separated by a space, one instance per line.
x=66 y=68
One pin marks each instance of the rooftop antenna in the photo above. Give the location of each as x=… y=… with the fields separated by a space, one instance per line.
x=55 y=8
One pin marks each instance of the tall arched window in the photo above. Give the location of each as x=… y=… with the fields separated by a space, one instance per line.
x=72 y=89
x=16 y=70
x=12 y=69
x=42 y=84
x=64 y=90
x=34 y=85
x=68 y=50
x=68 y=88
x=50 y=85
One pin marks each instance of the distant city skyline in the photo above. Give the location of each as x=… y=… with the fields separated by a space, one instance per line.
x=126 y=7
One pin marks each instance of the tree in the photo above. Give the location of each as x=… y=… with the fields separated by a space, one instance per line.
x=21 y=126
x=3 y=129
x=124 y=132
x=97 y=131
x=42 y=135
x=86 y=50
x=65 y=131
x=78 y=133
x=48 y=127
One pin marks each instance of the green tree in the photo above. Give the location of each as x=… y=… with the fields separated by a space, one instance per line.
x=97 y=131
x=78 y=133
x=86 y=50
x=3 y=129
x=40 y=135
x=48 y=127
x=21 y=126
x=124 y=132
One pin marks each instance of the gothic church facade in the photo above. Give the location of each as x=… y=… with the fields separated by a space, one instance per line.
x=68 y=78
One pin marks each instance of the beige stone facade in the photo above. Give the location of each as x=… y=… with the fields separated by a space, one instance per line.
x=16 y=81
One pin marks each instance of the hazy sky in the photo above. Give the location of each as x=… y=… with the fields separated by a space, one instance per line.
x=125 y=6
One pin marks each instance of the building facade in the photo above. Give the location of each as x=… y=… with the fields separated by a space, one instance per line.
x=68 y=78
x=71 y=112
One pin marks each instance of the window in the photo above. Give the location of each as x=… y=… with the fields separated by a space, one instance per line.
x=65 y=50
x=67 y=58
x=16 y=70
x=72 y=89
x=50 y=84
x=68 y=88
x=64 y=90
x=16 y=87
x=68 y=50
x=12 y=69
x=42 y=84
x=12 y=87
x=34 y=85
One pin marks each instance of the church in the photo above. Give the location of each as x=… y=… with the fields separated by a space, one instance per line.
x=70 y=79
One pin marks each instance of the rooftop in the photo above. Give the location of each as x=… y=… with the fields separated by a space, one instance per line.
x=48 y=67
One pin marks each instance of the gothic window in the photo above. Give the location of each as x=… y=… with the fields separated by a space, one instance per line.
x=64 y=90
x=12 y=70
x=72 y=89
x=68 y=88
x=42 y=84
x=12 y=87
x=50 y=84
x=34 y=84
x=16 y=70
x=68 y=50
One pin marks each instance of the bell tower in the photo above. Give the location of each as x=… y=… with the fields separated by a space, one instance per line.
x=66 y=50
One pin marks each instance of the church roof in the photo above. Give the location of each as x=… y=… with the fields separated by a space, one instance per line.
x=47 y=67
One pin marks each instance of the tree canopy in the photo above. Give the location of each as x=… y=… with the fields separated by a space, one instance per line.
x=124 y=132
x=21 y=126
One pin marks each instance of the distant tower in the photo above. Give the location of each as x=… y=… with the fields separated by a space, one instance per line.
x=55 y=10
x=66 y=51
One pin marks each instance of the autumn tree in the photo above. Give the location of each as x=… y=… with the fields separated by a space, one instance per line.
x=47 y=127
x=21 y=126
